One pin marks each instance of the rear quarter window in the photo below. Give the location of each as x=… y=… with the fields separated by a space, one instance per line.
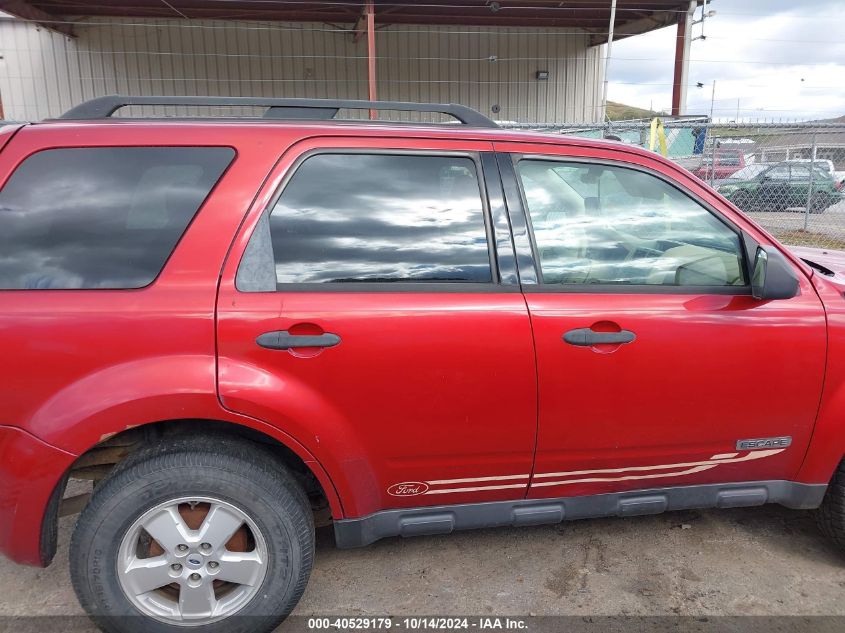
x=103 y=217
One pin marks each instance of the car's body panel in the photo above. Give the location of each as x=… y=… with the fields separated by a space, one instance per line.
x=670 y=407
x=704 y=372
x=827 y=445
x=93 y=333
x=415 y=392
x=29 y=470
x=830 y=259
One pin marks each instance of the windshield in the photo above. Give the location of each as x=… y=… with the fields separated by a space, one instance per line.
x=746 y=173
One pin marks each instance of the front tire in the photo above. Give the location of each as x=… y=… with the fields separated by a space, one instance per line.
x=204 y=534
x=830 y=515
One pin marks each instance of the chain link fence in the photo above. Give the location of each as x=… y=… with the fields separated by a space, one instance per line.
x=789 y=177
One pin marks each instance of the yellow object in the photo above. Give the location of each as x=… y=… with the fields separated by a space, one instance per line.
x=658 y=135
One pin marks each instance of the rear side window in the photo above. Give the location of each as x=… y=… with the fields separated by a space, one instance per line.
x=345 y=218
x=104 y=217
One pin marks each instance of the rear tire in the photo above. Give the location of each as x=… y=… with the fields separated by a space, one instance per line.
x=819 y=202
x=742 y=200
x=830 y=516
x=233 y=544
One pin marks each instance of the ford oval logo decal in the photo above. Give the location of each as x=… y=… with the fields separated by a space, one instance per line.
x=408 y=489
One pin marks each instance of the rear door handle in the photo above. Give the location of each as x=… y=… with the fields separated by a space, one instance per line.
x=585 y=337
x=282 y=339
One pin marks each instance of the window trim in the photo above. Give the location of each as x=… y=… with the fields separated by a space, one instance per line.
x=182 y=236
x=540 y=287
x=495 y=285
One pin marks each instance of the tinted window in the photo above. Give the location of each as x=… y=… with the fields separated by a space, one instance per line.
x=105 y=217
x=802 y=173
x=596 y=224
x=379 y=218
x=781 y=172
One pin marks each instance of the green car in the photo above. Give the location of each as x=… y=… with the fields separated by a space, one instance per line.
x=783 y=186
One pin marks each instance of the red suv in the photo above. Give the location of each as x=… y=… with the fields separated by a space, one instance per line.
x=233 y=325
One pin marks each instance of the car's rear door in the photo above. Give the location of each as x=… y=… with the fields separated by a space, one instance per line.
x=370 y=308
x=654 y=361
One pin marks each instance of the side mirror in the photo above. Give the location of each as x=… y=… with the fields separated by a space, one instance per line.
x=773 y=276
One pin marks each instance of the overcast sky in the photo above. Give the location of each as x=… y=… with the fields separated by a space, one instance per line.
x=798 y=50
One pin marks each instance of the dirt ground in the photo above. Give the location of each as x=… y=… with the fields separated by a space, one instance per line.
x=766 y=561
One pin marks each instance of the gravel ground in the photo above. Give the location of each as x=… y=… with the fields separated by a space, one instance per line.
x=826 y=230
x=766 y=561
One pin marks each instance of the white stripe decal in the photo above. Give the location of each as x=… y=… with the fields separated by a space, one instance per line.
x=445 y=490
x=688 y=471
x=474 y=479
x=414 y=488
x=713 y=461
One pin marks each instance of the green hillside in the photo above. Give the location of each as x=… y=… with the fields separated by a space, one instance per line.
x=621 y=112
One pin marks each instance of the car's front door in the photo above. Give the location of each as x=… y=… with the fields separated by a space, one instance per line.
x=774 y=193
x=375 y=316
x=655 y=362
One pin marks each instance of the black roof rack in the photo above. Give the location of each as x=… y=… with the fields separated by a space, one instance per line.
x=277 y=108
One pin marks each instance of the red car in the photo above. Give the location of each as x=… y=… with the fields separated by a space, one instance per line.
x=233 y=325
x=721 y=164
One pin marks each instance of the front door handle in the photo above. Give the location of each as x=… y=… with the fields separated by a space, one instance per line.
x=282 y=339
x=585 y=337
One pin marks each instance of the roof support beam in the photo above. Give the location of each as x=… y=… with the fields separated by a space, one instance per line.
x=25 y=11
x=681 y=74
x=370 y=11
x=635 y=27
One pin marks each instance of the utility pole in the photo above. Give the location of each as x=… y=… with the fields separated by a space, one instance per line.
x=712 y=100
x=607 y=59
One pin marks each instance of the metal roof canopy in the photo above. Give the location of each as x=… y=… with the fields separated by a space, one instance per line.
x=633 y=17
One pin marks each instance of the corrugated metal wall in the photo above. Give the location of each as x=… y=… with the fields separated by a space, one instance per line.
x=42 y=74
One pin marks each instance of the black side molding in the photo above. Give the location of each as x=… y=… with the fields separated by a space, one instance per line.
x=446 y=519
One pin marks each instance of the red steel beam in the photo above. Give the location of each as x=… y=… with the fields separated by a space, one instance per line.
x=371 y=53
x=679 y=64
x=26 y=11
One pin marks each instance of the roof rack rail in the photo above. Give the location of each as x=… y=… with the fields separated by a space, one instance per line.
x=277 y=108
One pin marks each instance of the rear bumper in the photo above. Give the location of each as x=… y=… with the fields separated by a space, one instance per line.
x=29 y=472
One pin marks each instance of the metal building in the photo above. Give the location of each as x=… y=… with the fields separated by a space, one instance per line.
x=519 y=60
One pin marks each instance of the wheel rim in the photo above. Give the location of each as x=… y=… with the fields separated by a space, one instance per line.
x=192 y=560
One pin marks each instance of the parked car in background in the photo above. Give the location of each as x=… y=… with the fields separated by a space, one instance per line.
x=722 y=164
x=782 y=186
x=746 y=173
x=825 y=165
x=237 y=326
